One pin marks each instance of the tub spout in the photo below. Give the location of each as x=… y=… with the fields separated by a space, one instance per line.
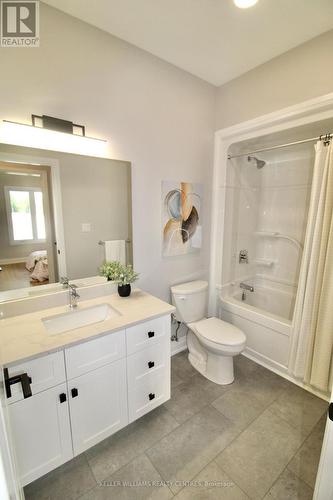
x=245 y=286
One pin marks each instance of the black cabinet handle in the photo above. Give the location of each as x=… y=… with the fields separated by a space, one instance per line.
x=24 y=379
x=151 y=396
x=151 y=334
x=330 y=411
x=151 y=364
x=74 y=392
x=62 y=397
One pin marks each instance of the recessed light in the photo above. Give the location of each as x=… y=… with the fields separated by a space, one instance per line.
x=244 y=4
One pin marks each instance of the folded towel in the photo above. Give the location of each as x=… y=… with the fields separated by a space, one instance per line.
x=115 y=250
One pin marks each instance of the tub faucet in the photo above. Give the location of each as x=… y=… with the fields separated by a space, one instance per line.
x=245 y=287
x=73 y=296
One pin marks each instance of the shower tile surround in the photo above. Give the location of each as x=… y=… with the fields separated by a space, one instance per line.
x=259 y=203
x=272 y=199
x=273 y=453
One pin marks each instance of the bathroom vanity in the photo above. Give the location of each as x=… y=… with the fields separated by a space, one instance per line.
x=68 y=389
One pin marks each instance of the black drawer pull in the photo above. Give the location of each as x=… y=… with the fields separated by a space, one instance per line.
x=24 y=379
x=74 y=392
x=151 y=396
x=151 y=334
x=62 y=397
x=151 y=364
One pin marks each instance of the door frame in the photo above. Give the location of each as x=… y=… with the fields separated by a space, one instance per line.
x=10 y=487
x=324 y=484
x=55 y=203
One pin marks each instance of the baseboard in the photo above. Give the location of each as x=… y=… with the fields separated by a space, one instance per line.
x=265 y=361
x=275 y=367
x=14 y=260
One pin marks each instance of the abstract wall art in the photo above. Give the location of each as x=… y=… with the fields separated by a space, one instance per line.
x=181 y=217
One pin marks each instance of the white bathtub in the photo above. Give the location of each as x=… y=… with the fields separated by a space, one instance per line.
x=265 y=317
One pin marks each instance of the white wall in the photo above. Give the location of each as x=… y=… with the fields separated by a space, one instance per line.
x=154 y=115
x=297 y=75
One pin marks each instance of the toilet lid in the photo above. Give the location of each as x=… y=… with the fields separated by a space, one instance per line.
x=220 y=332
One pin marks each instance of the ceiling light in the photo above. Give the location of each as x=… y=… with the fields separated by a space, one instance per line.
x=244 y=4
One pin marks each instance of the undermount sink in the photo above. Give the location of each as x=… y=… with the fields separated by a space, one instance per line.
x=77 y=318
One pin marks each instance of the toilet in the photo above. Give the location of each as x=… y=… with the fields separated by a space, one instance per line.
x=212 y=343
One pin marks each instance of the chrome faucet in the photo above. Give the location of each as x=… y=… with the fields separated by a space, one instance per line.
x=73 y=296
x=245 y=287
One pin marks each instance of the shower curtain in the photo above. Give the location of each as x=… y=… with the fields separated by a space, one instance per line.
x=313 y=321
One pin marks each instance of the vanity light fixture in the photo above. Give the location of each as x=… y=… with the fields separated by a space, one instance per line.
x=47 y=132
x=245 y=4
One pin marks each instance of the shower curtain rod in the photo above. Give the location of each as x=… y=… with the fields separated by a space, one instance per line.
x=325 y=137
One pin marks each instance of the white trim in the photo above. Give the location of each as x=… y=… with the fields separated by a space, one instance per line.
x=56 y=198
x=14 y=260
x=324 y=486
x=280 y=370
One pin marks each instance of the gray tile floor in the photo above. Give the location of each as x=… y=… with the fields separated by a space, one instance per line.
x=258 y=438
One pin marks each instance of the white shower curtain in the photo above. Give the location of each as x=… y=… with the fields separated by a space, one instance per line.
x=311 y=358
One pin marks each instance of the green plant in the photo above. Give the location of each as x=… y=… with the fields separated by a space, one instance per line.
x=110 y=270
x=119 y=273
x=126 y=275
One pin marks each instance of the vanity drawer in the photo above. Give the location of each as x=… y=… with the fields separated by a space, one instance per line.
x=146 y=363
x=149 y=393
x=95 y=353
x=45 y=372
x=146 y=334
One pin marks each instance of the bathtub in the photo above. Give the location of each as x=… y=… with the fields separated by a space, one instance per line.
x=265 y=316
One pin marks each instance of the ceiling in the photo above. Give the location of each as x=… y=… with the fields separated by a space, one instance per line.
x=211 y=39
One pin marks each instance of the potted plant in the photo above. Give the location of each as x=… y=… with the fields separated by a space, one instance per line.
x=110 y=270
x=126 y=275
x=121 y=274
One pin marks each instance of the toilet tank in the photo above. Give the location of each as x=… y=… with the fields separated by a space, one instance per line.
x=190 y=300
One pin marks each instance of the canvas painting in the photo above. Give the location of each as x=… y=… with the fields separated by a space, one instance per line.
x=182 y=224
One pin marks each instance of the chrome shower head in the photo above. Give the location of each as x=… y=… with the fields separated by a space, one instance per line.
x=259 y=163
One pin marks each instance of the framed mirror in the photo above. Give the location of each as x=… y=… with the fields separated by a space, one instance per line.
x=61 y=215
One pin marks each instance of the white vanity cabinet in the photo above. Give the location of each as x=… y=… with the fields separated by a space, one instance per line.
x=86 y=392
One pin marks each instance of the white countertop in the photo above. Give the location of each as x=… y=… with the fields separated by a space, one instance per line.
x=25 y=336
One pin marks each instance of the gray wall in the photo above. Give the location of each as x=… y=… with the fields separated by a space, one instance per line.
x=300 y=74
x=154 y=115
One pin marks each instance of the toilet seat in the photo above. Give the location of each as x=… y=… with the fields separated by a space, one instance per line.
x=220 y=334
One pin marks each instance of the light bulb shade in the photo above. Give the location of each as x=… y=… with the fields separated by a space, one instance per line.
x=244 y=4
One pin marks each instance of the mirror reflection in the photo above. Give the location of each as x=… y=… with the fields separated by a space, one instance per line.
x=61 y=215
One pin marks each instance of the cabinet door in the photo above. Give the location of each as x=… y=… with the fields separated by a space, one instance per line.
x=98 y=404
x=41 y=431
